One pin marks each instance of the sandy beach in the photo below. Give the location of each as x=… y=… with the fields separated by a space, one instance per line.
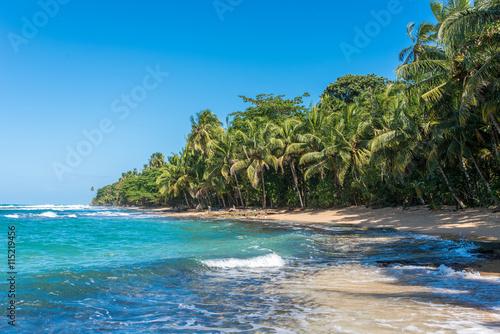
x=480 y=225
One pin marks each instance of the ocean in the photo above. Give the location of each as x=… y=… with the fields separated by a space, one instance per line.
x=81 y=269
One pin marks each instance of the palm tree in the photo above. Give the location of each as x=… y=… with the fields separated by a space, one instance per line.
x=177 y=176
x=422 y=36
x=218 y=164
x=397 y=135
x=257 y=148
x=157 y=160
x=465 y=69
x=442 y=10
x=204 y=128
x=286 y=135
x=309 y=136
x=343 y=149
x=465 y=83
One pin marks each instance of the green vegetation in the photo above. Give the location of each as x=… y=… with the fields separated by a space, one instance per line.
x=432 y=137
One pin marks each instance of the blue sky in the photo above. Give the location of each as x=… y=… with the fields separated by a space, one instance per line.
x=71 y=67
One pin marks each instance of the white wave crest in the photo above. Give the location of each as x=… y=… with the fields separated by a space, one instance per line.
x=107 y=214
x=48 y=214
x=449 y=272
x=187 y=306
x=44 y=207
x=267 y=261
x=15 y=216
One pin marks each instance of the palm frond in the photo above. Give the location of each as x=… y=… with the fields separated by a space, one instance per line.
x=459 y=26
x=310 y=157
x=316 y=168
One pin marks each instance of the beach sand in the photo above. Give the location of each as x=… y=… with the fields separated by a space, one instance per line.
x=479 y=225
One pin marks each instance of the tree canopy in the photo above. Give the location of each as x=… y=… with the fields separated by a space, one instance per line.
x=348 y=87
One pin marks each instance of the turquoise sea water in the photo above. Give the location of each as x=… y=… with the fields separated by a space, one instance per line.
x=84 y=269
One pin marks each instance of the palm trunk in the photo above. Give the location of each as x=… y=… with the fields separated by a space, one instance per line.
x=458 y=200
x=185 y=196
x=263 y=189
x=294 y=174
x=339 y=186
x=401 y=176
x=304 y=193
x=494 y=121
x=484 y=180
x=223 y=201
x=303 y=190
x=495 y=141
x=363 y=183
x=464 y=167
x=239 y=190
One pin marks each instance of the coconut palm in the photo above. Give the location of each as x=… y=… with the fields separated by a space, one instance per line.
x=257 y=155
x=423 y=36
x=286 y=135
x=443 y=10
x=460 y=71
x=177 y=176
x=157 y=160
x=219 y=164
x=204 y=128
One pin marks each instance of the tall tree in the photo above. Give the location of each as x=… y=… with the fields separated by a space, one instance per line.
x=348 y=87
x=423 y=36
x=257 y=155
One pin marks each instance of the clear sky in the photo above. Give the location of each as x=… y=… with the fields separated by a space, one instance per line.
x=84 y=89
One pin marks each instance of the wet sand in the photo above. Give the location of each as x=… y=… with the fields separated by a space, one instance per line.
x=474 y=224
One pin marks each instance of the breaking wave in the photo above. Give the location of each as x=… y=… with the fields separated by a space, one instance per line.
x=44 y=207
x=267 y=261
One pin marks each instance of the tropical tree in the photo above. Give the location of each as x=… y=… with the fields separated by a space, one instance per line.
x=205 y=126
x=157 y=160
x=423 y=37
x=286 y=135
x=258 y=147
x=348 y=87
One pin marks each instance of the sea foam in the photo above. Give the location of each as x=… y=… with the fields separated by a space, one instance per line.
x=44 y=207
x=107 y=214
x=449 y=272
x=267 y=261
x=48 y=214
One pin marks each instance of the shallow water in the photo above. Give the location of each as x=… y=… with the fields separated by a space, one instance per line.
x=82 y=269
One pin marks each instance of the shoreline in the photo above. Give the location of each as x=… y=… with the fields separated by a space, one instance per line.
x=481 y=226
